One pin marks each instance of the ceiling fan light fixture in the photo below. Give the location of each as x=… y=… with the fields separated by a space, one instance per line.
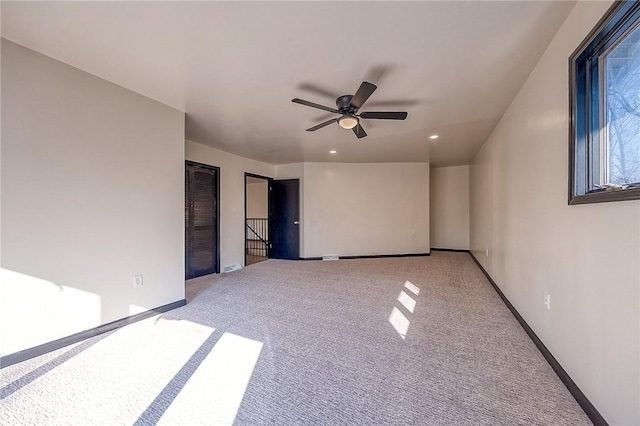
x=348 y=121
x=348 y=107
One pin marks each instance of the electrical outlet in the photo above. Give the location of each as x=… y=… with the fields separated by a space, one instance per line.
x=547 y=301
x=137 y=281
x=486 y=253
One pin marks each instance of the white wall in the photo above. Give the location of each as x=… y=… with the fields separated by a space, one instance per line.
x=449 y=207
x=346 y=209
x=92 y=194
x=366 y=209
x=232 y=170
x=586 y=256
x=257 y=199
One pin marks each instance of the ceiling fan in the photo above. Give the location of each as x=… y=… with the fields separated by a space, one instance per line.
x=348 y=106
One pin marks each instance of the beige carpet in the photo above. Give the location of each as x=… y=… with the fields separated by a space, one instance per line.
x=400 y=341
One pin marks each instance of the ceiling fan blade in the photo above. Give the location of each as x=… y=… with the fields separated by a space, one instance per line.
x=359 y=131
x=384 y=115
x=364 y=91
x=314 y=105
x=321 y=125
x=395 y=103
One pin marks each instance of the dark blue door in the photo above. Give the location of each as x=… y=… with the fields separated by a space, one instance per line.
x=284 y=219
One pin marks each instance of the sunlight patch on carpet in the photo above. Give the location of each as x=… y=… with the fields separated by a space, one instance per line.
x=214 y=393
x=114 y=380
x=411 y=287
x=399 y=322
x=406 y=301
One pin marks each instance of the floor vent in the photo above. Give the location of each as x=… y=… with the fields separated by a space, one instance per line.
x=231 y=268
x=331 y=257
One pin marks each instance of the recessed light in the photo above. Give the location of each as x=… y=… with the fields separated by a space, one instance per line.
x=434 y=137
x=333 y=151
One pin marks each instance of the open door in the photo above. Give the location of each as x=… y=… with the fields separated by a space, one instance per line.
x=256 y=213
x=284 y=219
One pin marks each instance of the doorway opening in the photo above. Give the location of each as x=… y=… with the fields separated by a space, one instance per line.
x=256 y=213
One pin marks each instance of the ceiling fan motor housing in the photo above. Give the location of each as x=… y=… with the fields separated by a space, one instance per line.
x=344 y=104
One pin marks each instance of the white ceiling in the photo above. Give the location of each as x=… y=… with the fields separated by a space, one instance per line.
x=234 y=67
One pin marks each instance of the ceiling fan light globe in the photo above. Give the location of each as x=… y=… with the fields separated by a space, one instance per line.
x=348 y=121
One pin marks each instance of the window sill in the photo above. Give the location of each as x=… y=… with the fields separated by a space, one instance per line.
x=606 y=196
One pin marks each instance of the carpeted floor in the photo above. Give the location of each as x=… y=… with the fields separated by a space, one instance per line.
x=398 y=341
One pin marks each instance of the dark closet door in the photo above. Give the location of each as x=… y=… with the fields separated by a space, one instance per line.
x=201 y=220
x=284 y=219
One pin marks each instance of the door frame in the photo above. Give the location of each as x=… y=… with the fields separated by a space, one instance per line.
x=268 y=179
x=216 y=169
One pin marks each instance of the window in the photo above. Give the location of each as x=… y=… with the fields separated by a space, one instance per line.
x=605 y=110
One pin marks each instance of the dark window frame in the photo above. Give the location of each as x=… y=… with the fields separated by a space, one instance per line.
x=584 y=104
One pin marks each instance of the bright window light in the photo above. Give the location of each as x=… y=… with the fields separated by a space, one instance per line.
x=604 y=111
x=59 y=310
